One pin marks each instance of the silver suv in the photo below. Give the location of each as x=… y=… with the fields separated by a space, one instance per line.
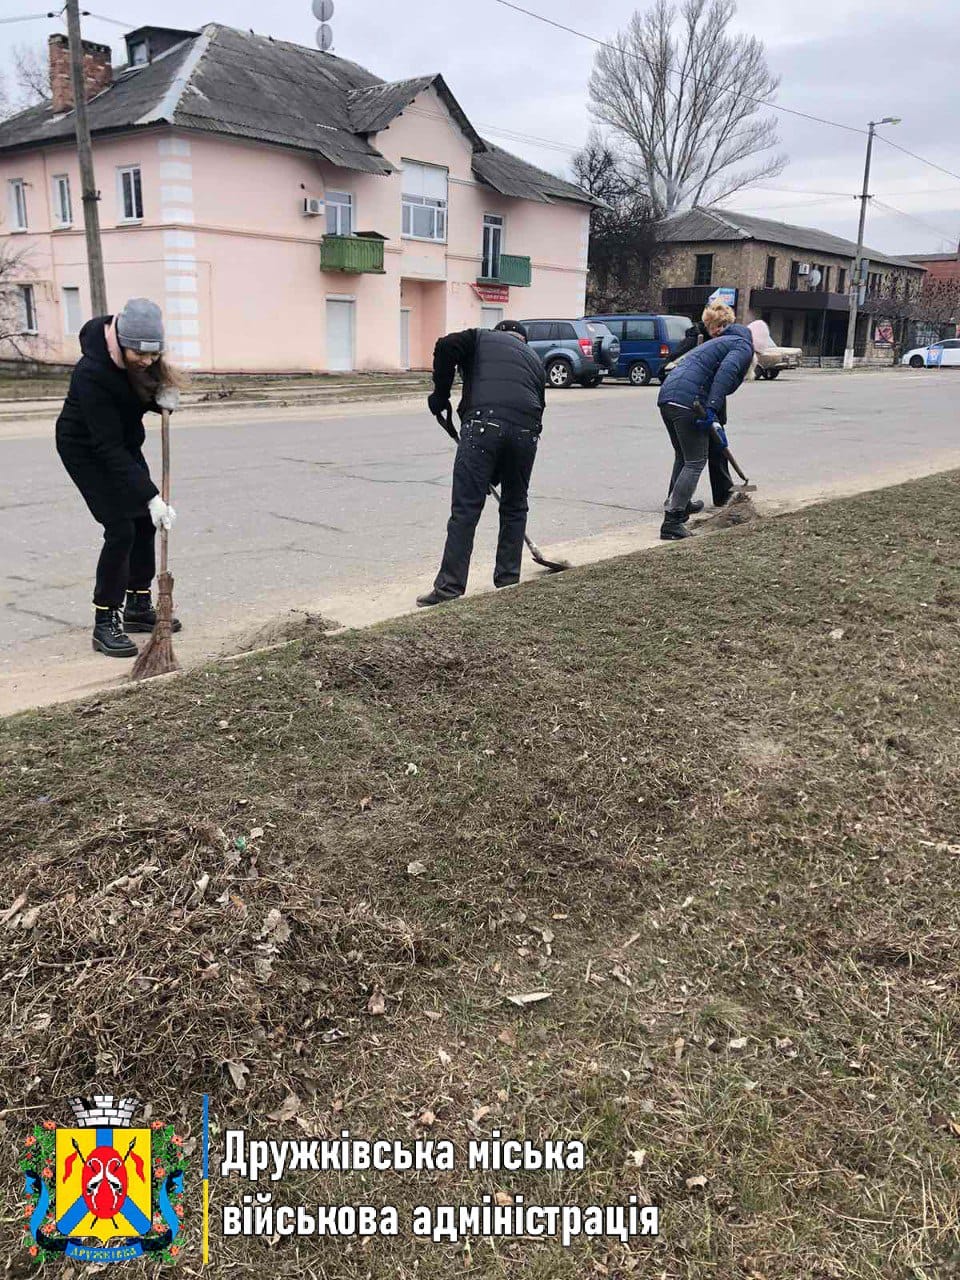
x=582 y=351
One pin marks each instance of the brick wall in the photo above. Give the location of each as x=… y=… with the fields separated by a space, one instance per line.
x=743 y=266
x=97 y=71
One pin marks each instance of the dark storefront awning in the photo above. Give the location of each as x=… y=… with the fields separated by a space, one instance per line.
x=797 y=300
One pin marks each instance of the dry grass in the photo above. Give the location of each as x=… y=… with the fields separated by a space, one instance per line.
x=707 y=797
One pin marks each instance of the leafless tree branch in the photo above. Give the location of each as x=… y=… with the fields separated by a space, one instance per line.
x=684 y=95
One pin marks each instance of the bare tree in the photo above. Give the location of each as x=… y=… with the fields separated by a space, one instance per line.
x=622 y=231
x=6 y=104
x=31 y=75
x=687 y=105
x=16 y=340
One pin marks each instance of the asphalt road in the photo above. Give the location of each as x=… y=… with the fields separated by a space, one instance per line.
x=282 y=512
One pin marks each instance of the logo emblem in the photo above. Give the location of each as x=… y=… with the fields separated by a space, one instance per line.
x=104 y=1191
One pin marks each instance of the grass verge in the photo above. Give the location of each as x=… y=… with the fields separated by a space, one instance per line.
x=707 y=798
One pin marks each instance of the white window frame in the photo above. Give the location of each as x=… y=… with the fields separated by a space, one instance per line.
x=62 y=200
x=18 y=205
x=136 y=61
x=492 y=223
x=340 y=204
x=411 y=204
x=67 y=331
x=135 y=181
x=28 y=306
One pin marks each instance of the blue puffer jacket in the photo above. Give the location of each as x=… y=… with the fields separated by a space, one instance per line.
x=710 y=373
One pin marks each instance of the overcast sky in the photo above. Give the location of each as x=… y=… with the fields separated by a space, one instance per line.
x=846 y=60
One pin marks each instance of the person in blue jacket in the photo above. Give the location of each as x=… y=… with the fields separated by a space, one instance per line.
x=692 y=401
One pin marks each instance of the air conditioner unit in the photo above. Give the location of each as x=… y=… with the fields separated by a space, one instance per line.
x=312 y=206
x=804 y=269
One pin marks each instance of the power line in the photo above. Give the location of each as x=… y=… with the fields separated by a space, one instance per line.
x=604 y=44
x=919 y=221
x=28 y=17
x=765 y=102
x=801 y=191
x=102 y=18
x=897 y=147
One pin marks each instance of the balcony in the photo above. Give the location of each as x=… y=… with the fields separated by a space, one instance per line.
x=513 y=270
x=359 y=254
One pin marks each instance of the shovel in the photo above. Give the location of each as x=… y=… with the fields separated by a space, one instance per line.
x=746 y=487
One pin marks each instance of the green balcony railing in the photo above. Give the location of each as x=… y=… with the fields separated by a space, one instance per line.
x=352 y=253
x=513 y=270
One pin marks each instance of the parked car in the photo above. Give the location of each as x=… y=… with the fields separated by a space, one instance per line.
x=946 y=352
x=771 y=361
x=646 y=343
x=573 y=351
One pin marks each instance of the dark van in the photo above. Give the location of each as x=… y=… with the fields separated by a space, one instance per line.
x=646 y=343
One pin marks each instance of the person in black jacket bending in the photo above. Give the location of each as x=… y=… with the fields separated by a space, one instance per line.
x=501 y=413
x=121 y=374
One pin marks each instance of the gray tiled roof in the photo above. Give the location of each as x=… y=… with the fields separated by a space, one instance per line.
x=712 y=224
x=131 y=95
x=512 y=176
x=244 y=85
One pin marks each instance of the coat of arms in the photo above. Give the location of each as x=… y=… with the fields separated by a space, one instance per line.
x=104 y=1191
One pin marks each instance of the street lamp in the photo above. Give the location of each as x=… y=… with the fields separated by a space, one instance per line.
x=855 y=281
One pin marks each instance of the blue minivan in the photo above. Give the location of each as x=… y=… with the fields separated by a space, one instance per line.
x=646 y=343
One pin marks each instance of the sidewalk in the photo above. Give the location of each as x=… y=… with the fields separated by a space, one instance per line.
x=211 y=393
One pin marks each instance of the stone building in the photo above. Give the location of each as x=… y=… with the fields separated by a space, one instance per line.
x=795 y=278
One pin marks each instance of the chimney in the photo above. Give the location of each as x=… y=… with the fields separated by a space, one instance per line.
x=97 y=71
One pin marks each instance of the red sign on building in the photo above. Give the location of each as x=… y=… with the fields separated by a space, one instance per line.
x=492 y=292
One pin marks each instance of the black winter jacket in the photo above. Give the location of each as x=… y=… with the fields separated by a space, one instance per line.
x=710 y=373
x=100 y=432
x=500 y=373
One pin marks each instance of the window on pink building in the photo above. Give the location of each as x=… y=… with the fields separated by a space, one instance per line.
x=424 y=201
x=339 y=206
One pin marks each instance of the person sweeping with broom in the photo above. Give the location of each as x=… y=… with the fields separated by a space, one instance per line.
x=100 y=435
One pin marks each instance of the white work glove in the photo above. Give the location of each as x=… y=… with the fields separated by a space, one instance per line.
x=168 y=398
x=162 y=515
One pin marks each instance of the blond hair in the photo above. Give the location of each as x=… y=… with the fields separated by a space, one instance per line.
x=716 y=316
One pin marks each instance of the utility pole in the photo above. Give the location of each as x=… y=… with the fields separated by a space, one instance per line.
x=855 y=279
x=91 y=197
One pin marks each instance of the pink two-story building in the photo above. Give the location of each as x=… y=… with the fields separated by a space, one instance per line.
x=286 y=208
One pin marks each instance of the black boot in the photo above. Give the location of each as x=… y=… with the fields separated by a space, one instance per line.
x=140 y=615
x=693 y=509
x=673 y=528
x=432 y=598
x=109 y=636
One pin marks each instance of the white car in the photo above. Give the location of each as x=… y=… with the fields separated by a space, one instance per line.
x=946 y=352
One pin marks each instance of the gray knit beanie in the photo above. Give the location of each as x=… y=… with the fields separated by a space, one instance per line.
x=140 y=326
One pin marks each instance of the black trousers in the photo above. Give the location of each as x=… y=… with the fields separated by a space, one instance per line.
x=721 y=483
x=127 y=561
x=488 y=451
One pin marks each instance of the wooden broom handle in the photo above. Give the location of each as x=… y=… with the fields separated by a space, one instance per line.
x=164 y=479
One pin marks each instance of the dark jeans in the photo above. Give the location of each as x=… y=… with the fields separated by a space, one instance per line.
x=488 y=451
x=691 y=447
x=721 y=483
x=127 y=561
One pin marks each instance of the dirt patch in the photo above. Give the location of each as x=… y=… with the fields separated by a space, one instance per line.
x=294 y=624
x=740 y=509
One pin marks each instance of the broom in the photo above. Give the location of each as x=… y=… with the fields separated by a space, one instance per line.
x=157 y=658
x=553 y=566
